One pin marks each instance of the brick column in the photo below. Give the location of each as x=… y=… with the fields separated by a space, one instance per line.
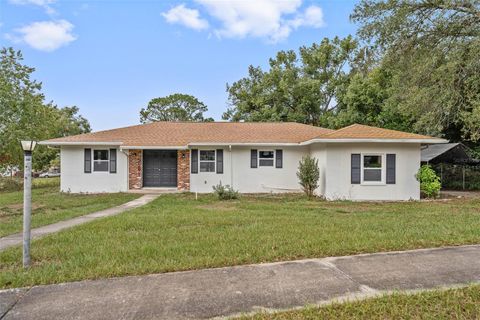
x=183 y=170
x=135 y=169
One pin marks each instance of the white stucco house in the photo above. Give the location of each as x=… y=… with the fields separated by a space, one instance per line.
x=356 y=162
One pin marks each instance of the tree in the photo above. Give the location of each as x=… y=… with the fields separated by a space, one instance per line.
x=308 y=174
x=403 y=25
x=433 y=51
x=298 y=87
x=175 y=107
x=24 y=115
x=367 y=100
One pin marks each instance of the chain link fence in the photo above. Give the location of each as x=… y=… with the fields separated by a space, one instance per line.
x=458 y=176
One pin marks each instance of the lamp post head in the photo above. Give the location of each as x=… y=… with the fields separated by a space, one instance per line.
x=28 y=145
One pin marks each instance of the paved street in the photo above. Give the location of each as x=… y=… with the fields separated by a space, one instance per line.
x=234 y=290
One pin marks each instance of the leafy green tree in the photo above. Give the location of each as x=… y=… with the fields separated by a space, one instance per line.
x=403 y=25
x=297 y=87
x=367 y=100
x=24 y=115
x=175 y=107
x=432 y=49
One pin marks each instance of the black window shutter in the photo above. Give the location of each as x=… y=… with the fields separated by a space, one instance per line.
x=253 y=158
x=113 y=160
x=219 y=160
x=355 y=167
x=87 y=161
x=391 y=164
x=278 y=158
x=194 y=165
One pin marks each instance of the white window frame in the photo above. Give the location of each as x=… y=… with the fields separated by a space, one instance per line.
x=258 y=158
x=107 y=161
x=383 y=169
x=200 y=161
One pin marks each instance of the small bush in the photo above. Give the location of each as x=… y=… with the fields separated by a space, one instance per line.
x=11 y=184
x=429 y=181
x=225 y=192
x=308 y=174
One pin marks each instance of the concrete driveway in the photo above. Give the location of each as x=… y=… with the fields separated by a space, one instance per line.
x=243 y=289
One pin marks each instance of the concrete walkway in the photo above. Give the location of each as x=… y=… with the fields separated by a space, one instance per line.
x=233 y=290
x=16 y=239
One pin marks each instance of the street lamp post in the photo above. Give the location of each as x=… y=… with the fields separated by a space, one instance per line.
x=28 y=147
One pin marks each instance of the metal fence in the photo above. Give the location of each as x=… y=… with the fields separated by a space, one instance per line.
x=458 y=177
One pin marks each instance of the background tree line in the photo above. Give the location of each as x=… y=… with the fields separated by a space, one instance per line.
x=25 y=115
x=414 y=66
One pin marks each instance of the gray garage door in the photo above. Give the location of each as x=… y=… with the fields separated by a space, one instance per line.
x=159 y=168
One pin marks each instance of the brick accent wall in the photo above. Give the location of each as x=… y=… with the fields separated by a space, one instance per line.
x=135 y=169
x=183 y=170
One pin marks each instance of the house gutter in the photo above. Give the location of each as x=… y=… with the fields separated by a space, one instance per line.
x=153 y=147
x=76 y=143
x=230 y=144
x=423 y=141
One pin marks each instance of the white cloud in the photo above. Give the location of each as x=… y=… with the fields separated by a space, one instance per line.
x=313 y=17
x=41 y=3
x=45 y=35
x=185 y=16
x=273 y=20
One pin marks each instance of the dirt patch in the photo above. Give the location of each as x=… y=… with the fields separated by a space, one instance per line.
x=219 y=206
x=460 y=194
x=17 y=209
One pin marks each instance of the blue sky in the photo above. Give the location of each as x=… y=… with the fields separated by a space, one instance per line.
x=110 y=58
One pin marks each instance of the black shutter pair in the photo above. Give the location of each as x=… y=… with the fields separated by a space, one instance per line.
x=194 y=161
x=87 y=161
x=356 y=168
x=278 y=158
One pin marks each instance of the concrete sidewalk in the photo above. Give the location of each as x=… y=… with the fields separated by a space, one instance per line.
x=16 y=239
x=233 y=290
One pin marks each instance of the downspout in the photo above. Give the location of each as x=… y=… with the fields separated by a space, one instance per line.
x=231 y=165
x=127 y=153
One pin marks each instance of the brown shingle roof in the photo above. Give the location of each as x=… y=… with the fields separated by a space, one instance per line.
x=360 y=131
x=183 y=133
x=178 y=134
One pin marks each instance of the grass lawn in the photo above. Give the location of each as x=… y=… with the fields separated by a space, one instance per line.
x=450 y=304
x=49 y=205
x=176 y=232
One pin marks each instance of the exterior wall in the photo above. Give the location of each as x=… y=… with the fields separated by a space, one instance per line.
x=183 y=170
x=204 y=181
x=73 y=179
x=237 y=172
x=135 y=164
x=333 y=160
x=319 y=151
x=338 y=161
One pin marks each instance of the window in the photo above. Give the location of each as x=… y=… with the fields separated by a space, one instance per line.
x=372 y=168
x=207 y=160
x=100 y=160
x=265 y=158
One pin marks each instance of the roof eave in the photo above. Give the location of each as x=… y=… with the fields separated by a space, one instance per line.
x=364 y=140
x=153 y=147
x=80 y=143
x=260 y=144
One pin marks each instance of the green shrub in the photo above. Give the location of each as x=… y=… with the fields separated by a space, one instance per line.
x=308 y=174
x=429 y=181
x=225 y=192
x=10 y=184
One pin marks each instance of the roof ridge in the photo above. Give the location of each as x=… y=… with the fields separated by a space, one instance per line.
x=341 y=129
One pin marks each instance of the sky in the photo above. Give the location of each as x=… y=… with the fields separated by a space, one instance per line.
x=109 y=58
